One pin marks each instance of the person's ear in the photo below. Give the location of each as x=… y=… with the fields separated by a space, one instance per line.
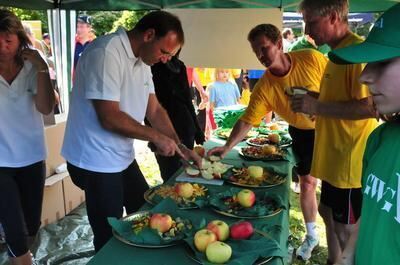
x=334 y=17
x=279 y=43
x=149 y=35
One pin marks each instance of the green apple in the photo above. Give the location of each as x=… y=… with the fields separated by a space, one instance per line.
x=246 y=198
x=161 y=222
x=218 y=252
x=255 y=172
x=184 y=190
x=220 y=229
x=203 y=238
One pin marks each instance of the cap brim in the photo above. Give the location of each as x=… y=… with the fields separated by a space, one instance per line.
x=365 y=52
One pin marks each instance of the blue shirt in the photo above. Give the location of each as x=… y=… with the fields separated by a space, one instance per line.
x=224 y=94
x=79 y=48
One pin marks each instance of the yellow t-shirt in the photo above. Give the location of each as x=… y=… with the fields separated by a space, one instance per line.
x=235 y=73
x=307 y=67
x=339 y=144
x=245 y=98
x=206 y=75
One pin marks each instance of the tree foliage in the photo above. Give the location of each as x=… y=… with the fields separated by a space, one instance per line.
x=103 y=21
x=128 y=19
x=25 y=14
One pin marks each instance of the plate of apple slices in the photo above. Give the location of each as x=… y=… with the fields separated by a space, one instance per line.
x=272 y=139
x=266 y=152
x=212 y=168
x=245 y=203
x=254 y=177
x=186 y=195
x=151 y=230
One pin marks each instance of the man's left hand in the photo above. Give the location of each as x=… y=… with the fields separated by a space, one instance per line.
x=304 y=104
x=189 y=155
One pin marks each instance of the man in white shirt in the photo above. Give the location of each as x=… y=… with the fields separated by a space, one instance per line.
x=113 y=93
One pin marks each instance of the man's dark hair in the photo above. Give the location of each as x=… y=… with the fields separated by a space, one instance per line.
x=162 y=22
x=268 y=30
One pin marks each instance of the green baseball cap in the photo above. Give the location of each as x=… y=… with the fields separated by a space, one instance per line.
x=382 y=43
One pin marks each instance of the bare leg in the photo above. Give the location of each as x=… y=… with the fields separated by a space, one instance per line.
x=334 y=249
x=344 y=231
x=308 y=198
x=25 y=259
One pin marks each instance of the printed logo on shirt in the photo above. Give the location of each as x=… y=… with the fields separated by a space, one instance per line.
x=386 y=197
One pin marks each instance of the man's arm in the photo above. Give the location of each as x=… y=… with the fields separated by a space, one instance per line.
x=346 y=110
x=113 y=119
x=238 y=133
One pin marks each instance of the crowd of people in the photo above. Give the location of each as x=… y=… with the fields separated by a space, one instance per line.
x=129 y=76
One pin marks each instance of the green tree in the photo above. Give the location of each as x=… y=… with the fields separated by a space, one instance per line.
x=25 y=14
x=128 y=19
x=103 y=21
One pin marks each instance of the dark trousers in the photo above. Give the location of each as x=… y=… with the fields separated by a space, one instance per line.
x=107 y=194
x=168 y=166
x=21 y=196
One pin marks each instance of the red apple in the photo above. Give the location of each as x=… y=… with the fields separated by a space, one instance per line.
x=220 y=229
x=161 y=222
x=200 y=150
x=241 y=230
x=218 y=252
x=203 y=238
x=246 y=198
x=184 y=190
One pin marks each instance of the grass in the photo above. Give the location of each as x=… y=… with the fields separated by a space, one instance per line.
x=149 y=167
x=297 y=230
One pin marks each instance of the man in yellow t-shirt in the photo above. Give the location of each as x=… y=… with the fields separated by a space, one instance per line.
x=344 y=111
x=300 y=68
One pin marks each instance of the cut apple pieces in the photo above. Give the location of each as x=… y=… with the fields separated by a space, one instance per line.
x=214 y=158
x=192 y=172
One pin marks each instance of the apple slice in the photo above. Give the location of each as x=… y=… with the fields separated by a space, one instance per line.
x=192 y=172
x=207 y=174
x=205 y=164
x=214 y=158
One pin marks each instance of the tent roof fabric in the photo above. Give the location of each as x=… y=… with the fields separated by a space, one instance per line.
x=286 y=5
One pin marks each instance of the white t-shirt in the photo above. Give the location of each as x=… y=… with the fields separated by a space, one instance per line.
x=21 y=124
x=107 y=70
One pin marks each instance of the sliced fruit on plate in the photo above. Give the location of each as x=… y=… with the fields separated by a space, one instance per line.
x=214 y=158
x=192 y=172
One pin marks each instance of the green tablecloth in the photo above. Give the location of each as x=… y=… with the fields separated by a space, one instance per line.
x=118 y=253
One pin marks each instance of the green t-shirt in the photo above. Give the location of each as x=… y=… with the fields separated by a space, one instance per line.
x=303 y=43
x=379 y=234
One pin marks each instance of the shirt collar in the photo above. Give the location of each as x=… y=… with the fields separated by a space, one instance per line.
x=126 y=43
